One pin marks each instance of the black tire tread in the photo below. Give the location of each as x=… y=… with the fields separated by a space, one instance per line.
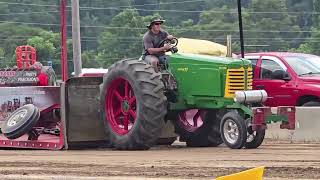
x=257 y=141
x=147 y=85
x=242 y=130
x=204 y=136
x=26 y=127
x=166 y=141
x=215 y=134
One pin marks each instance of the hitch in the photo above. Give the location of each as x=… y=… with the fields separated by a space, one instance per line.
x=263 y=116
x=290 y=112
x=259 y=116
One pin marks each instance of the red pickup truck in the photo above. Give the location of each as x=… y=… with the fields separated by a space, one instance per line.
x=290 y=79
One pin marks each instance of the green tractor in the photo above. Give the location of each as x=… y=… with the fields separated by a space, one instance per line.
x=208 y=99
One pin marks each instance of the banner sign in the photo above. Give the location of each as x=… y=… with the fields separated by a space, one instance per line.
x=18 y=77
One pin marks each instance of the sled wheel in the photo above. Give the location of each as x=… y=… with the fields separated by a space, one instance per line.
x=20 y=121
x=233 y=130
x=133 y=105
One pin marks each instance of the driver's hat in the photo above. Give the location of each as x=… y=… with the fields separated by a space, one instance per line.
x=154 y=20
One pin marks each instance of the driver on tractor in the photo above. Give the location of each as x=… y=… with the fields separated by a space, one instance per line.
x=154 y=52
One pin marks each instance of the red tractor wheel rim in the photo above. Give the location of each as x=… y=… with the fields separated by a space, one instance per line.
x=120 y=106
x=191 y=120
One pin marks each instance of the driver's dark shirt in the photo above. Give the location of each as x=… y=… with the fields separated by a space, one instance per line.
x=151 y=40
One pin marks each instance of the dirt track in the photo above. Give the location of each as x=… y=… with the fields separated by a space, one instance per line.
x=282 y=160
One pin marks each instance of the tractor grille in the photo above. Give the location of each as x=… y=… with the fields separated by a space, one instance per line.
x=249 y=78
x=236 y=81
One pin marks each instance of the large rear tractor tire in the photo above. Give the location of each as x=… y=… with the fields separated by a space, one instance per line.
x=198 y=128
x=133 y=104
x=233 y=130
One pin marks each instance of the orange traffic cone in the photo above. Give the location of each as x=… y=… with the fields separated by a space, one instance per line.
x=251 y=174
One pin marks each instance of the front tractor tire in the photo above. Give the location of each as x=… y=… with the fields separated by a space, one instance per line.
x=254 y=138
x=133 y=105
x=233 y=130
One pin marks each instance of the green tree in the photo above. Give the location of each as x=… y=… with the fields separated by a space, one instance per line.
x=125 y=42
x=110 y=29
x=28 y=11
x=179 y=12
x=316 y=15
x=311 y=45
x=216 y=26
x=303 y=7
x=277 y=29
x=47 y=45
x=89 y=60
x=11 y=36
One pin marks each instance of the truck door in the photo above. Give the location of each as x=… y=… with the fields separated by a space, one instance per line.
x=254 y=62
x=279 y=91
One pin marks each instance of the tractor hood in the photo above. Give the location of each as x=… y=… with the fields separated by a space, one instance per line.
x=206 y=59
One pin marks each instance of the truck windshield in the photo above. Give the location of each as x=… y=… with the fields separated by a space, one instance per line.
x=304 y=65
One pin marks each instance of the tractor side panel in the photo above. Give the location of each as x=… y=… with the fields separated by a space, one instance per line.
x=83 y=112
x=198 y=78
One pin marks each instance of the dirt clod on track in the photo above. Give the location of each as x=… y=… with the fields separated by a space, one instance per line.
x=282 y=160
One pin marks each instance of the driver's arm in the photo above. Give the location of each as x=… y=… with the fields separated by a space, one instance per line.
x=148 y=45
x=158 y=50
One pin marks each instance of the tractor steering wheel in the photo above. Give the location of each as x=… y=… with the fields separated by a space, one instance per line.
x=173 y=42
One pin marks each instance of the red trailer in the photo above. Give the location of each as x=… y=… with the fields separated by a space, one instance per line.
x=48 y=117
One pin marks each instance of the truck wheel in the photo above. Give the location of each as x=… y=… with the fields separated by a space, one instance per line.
x=312 y=103
x=197 y=128
x=20 y=121
x=254 y=138
x=133 y=105
x=233 y=130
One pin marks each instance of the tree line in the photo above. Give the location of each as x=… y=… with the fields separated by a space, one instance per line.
x=112 y=30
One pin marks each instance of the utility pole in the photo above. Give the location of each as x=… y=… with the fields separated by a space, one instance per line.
x=63 y=30
x=76 y=41
x=229 y=46
x=240 y=29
